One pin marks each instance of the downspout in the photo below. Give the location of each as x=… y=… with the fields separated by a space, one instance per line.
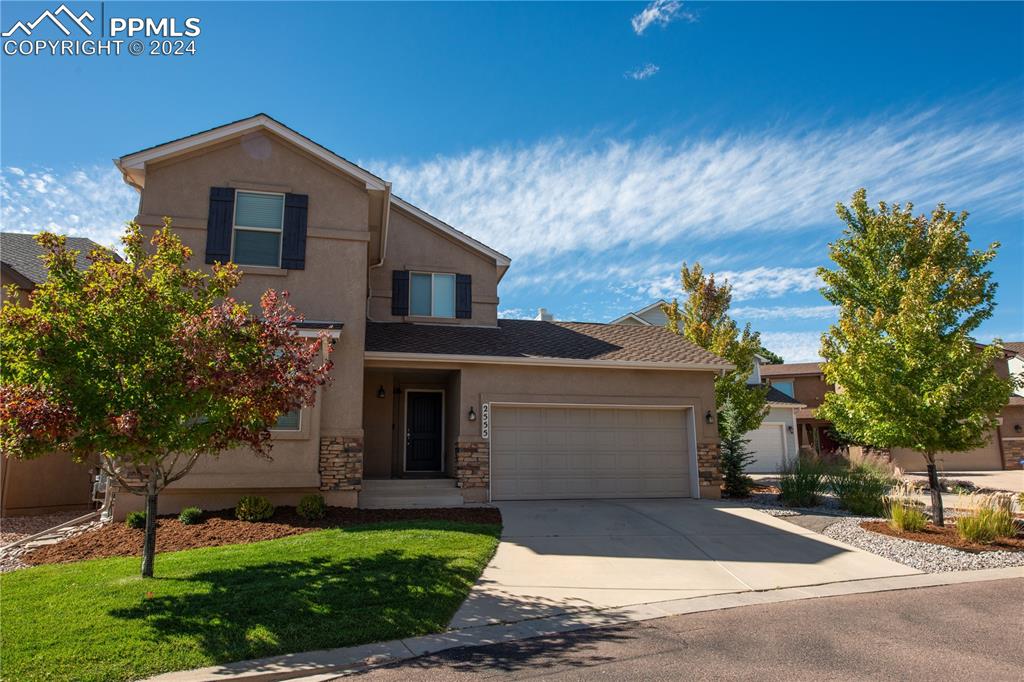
x=385 y=222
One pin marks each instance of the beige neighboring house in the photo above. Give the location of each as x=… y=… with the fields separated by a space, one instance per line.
x=434 y=400
x=1003 y=449
x=774 y=442
x=52 y=482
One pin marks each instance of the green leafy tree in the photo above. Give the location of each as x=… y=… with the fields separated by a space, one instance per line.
x=911 y=291
x=735 y=455
x=703 y=319
x=148 y=365
x=772 y=358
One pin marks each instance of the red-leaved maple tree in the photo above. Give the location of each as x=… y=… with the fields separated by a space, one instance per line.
x=147 y=365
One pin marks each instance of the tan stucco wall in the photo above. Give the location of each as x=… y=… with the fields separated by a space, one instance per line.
x=331 y=287
x=985 y=458
x=49 y=483
x=480 y=383
x=6 y=281
x=412 y=245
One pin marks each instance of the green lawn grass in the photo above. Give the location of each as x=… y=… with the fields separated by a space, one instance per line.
x=98 y=620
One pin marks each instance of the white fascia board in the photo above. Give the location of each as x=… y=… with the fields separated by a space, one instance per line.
x=542 y=362
x=134 y=165
x=792 y=406
x=634 y=316
x=502 y=261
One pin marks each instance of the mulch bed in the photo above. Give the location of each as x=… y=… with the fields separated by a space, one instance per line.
x=222 y=528
x=947 y=536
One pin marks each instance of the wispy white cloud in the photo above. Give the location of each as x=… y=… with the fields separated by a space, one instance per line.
x=579 y=197
x=782 y=313
x=662 y=13
x=770 y=282
x=793 y=346
x=643 y=73
x=88 y=202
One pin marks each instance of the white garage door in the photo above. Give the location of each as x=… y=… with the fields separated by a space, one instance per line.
x=768 y=445
x=571 y=452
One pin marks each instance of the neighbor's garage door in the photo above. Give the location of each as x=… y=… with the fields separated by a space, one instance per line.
x=767 y=444
x=570 y=452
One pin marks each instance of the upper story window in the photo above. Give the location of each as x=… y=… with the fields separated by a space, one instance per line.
x=432 y=294
x=256 y=231
x=785 y=386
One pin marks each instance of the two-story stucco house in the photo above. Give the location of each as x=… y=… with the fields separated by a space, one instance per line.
x=434 y=399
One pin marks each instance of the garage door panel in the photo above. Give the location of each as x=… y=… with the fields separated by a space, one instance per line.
x=551 y=453
x=767 y=444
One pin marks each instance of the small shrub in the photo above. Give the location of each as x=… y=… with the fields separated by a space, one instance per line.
x=312 y=507
x=903 y=513
x=861 y=489
x=988 y=517
x=801 y=482
x=190 y=515
x=254 y=508
x=135 y=519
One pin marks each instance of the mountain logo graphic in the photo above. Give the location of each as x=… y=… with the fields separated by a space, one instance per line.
x=78 y=20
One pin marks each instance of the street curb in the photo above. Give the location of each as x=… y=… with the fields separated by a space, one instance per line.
x=330 y=663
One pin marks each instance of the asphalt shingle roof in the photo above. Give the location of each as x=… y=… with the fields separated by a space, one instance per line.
x=21 y=253
x=1014 y=346
x=790 y=368
x=536 y=339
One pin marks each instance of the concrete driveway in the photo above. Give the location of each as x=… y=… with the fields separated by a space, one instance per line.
x=565 y=556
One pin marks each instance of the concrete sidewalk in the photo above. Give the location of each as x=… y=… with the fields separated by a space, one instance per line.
x=317 y=666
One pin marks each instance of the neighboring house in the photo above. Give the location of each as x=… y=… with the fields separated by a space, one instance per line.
x=805 y=383
x=1003 y=449
x=652 y=315
x=772 y=443
x=1015 y=362
x=429 y=386
x=51 y=482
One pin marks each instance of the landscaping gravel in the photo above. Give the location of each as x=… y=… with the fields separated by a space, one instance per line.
x=923 y=556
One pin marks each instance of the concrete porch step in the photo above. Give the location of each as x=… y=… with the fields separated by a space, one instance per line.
x=408 y=484
x=409 y=493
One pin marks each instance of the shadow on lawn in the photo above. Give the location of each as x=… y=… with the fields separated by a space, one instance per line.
x=315 y=603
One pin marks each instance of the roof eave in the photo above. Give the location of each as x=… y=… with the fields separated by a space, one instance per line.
x=544 y=361
x=133 y=165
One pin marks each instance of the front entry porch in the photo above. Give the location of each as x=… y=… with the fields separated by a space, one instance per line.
x=411 y=430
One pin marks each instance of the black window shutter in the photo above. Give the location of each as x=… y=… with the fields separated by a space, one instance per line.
x=293 y=245
x=400 y=293
x=463 y=297
x=218 y=225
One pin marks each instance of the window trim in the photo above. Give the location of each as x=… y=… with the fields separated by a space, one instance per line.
x=246 y=228
x=432 y=276
x=297 y=429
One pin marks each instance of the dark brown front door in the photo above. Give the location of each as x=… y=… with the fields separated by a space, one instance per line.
x=423 y=439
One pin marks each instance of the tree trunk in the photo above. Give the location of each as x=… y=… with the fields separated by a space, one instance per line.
x=933 y=483
x=149 y=543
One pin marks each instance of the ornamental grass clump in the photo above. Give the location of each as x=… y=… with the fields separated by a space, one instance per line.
x=861 y=489
x=903 y=513
x=988 y=518
x=801 y=482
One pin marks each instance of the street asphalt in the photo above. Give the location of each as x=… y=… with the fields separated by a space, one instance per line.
x=956 y=632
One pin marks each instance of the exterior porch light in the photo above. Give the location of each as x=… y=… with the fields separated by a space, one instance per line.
x=1017 y=428
x=472 y=414
x=709 y=418
x=381 y=392
x=789 y=429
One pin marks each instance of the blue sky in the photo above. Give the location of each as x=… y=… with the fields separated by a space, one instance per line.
x=599 y=145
